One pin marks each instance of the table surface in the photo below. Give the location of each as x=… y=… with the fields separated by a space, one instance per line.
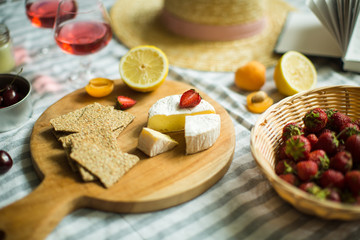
x=242 y=205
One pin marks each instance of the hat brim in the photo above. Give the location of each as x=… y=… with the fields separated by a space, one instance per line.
x=137 y=22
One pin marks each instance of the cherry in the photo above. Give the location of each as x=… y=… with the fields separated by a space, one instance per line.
x=5 y=162
x=10 y=97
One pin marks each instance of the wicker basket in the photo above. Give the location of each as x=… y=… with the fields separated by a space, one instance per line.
x=266 y=139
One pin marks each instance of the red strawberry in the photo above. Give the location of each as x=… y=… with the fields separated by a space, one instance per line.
x=285 y=166
x=357 y=122
x=329 y=113
x=332 y=194
x=352 y=180
x=313 y=139
x=332 y=178
x=328 y=142
x=281 y=153
x=338 y=120
x=352 y=145
x=125 y=102
x=190 y=99
x=347 y=130
x=320 y=158
x=290 y=178
x=291 y=129
x=297 y=147
x=306 y=170
x=342 y=161
x=310 y=187
x=315 y=120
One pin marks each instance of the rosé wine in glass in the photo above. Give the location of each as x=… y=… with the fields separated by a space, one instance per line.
x=84 y=37
x=84 y=31
x=42 y=13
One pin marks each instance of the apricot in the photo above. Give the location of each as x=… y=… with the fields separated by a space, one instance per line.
x=258 y=102
x=251 y=76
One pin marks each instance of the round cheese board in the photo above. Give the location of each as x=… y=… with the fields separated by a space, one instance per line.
x=163 y=181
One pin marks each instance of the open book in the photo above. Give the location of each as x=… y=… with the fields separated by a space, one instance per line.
x=331 y=30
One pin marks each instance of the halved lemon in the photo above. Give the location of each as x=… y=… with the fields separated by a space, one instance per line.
x=144 y=68
x=294 y=73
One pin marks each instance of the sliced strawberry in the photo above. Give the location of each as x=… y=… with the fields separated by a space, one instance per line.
x=190 y=99
x=125 y=102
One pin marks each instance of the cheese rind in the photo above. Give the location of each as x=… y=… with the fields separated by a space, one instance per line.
x=201 y=132
x=166 y=115
x=152 y=142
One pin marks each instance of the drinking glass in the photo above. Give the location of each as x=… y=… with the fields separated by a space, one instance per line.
x=82 y=31
x=41 y=14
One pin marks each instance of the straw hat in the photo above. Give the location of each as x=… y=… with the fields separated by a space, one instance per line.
x=209 y=35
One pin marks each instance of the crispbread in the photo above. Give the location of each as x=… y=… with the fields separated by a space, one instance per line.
x=102 y=137
x=67 y=122
x=108 y=165
x=92 y=116
x=94 y=125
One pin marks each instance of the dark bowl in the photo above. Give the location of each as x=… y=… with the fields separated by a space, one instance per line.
x=17 y=114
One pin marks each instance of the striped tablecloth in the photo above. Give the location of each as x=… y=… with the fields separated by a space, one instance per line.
x=242 y=205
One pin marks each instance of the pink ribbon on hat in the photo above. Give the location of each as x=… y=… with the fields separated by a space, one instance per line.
x=211 y=32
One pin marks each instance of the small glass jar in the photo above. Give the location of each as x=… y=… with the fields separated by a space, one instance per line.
x=7 y=59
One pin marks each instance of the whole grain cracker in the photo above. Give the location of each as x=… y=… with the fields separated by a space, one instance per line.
x=93 y=124
x=102 y=137
x=108 y=165
x=92 y=116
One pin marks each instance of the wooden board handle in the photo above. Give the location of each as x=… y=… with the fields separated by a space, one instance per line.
x=36 y=215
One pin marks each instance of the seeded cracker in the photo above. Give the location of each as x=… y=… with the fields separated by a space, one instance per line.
x=93 y=124
x=102 y=137
x=67 y=122
x=108 y=165
x=92 y=116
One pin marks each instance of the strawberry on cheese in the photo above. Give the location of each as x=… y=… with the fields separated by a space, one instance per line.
x=201 y=132
x=152 y=142
x=167 y=116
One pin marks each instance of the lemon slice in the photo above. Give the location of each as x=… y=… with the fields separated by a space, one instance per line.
x=144 y=68
x=294 y=73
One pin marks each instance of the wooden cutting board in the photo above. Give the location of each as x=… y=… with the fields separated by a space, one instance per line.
x=154 y=183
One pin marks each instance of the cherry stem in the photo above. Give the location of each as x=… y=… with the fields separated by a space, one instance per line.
x=13 y=80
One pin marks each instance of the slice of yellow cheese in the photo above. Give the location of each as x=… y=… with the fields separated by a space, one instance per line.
x=166 y=115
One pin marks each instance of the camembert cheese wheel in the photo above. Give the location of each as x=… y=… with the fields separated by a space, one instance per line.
x=201 y=132
x=152 y=142
x=166 y=115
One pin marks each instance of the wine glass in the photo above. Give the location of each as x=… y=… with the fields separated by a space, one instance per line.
x=41 y=14
x=82 y=31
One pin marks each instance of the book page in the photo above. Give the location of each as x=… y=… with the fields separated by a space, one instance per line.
x=352 y=57
x=303 y=32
